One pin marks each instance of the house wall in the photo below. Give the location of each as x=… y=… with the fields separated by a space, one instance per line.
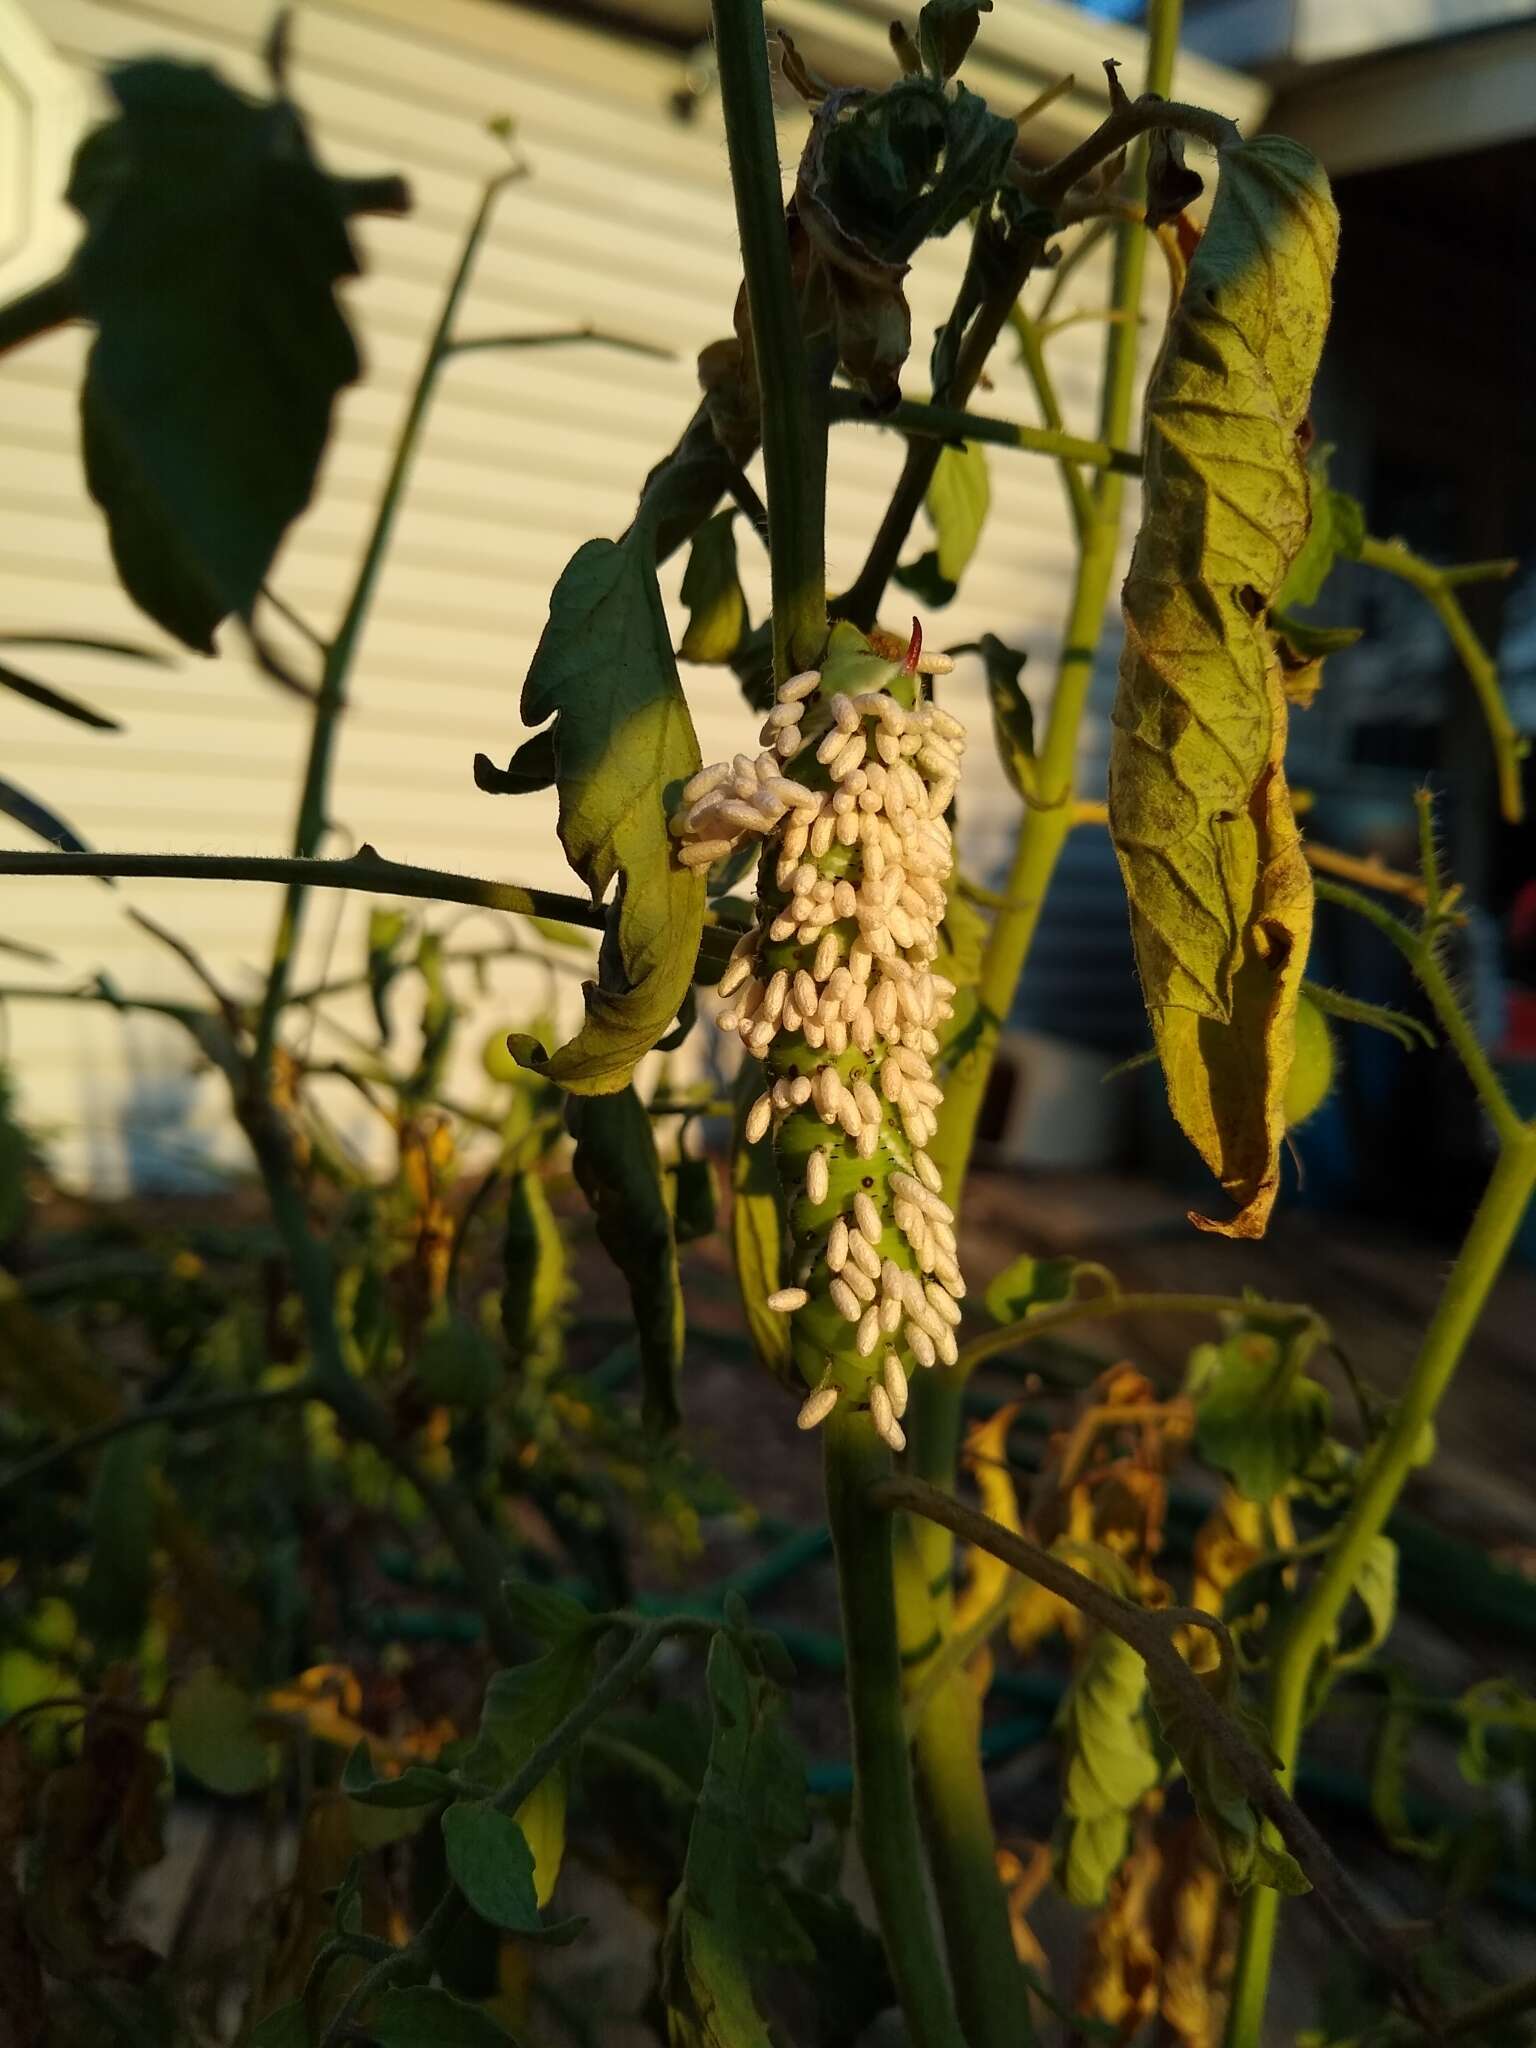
x=625 y=222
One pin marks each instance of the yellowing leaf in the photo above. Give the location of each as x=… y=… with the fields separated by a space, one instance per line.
x=623 y=745
x=1221 y=898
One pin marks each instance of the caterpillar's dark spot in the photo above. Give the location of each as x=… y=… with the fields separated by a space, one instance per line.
x=868 y=1181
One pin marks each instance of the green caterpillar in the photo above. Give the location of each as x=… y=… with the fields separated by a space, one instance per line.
x=834 y=991
x=1200 y=814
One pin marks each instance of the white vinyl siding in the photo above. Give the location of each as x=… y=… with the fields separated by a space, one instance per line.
x=625 y=222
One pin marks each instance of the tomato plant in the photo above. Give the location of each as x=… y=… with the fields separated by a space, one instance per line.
x=434 y=1413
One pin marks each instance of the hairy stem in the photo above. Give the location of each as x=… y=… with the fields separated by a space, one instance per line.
x=1311 y=1627
x=794 y=426
x=1150 y=1635
x=885 y=1811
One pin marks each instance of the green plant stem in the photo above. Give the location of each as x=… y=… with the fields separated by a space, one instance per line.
x=1438 y=589
x=1151 y=1635
x=885 y=1811
x=330 y=699
x=368 y=872
x=950 y=424
x=197 y=1408
x=1386 y=1470
x=794 y=423
x=1032 y=355
x=422 y=1950
x=1047 y=823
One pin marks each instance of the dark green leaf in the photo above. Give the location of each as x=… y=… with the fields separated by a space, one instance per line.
x=1389 y=1773
x=717 y=604
x=417 y=1784
x=524 y=1705
x=426 y=2017
x=36 y=817
x=212 y=249
x=1259 y=1418
x=531 y=768
x=730 y=1911
x=546 y=1612
x=490 y=1861
x=216 y=1737
x=386 y=928
x=624 y=745
x=1110 y=1766
x=946 y=30
x=695 y=1211
x=1500 y=1737
x=956 y=503
x=1230 y=1817
x=1013 y=717
x=1171 y=184
x=1026 y=1284
x=55 y=700
x=534 y=1284
x=114 y=1601
x=458 y=1365
x=849 y=1979
x=619 y=1172
x=288 y=2027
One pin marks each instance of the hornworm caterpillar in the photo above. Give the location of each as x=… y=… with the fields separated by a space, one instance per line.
x=834 y=990
x=1220 y=894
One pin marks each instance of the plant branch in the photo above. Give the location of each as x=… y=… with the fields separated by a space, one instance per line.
x=1312 y=1624
x=1107 y=1307
x=950 y=425
x=1438 y=589
x=1418 y=950
x=794 y=427
x=1121 y=126
x=1150 y=1635
x=1031 y=339
x=421 y=1952
x=40 y=311
x=184 y=1414
x=365 y=870
x=557 y=337
x=330 y=701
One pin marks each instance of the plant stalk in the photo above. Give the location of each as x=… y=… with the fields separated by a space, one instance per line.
x=1312 y=1625
x=885 y=1810
x=794 y=421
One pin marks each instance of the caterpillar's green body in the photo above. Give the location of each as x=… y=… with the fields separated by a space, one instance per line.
x=1220 y=894
x=834 y=991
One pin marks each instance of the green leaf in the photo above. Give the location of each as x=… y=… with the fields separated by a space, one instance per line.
x=1337 y=529
x=1375 y=1588
x=535 y=1286
x=54 y=700
x=386 y=929
x=417 y=1784
x=1500 y=1736
x=1029 y=1283
x=717 y=604
x=957 y=502
x=114 y=1601
x=1230 y=1817
x=212 y=249
x=1258 y=1417
x=491 y=1863
x=1199 y=810
x=729 y=1911
x=533 y=767
x=946 y=30
x=618 y=1170
x=426 y=2017
x=288 y=2027
x=758 y=1236
x=524 y=1705
x=1110 y=1766
x=457 y=1364
x=624 y=745
x=849 y=1982
x=546 y=1612
x=1389 y=1773
x=1013 y=717
x=215 y=1735
x=691 y=1192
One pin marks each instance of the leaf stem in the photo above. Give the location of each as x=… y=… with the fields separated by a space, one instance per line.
x=794 y=424
x=1438 y=589
x=188 y=1413
x=885 y=1811
x=330 y=699
x=1150 y=1635
x=1392 y=1458
x=950 y=424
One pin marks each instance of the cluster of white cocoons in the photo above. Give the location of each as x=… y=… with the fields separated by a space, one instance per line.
x=865 y=936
